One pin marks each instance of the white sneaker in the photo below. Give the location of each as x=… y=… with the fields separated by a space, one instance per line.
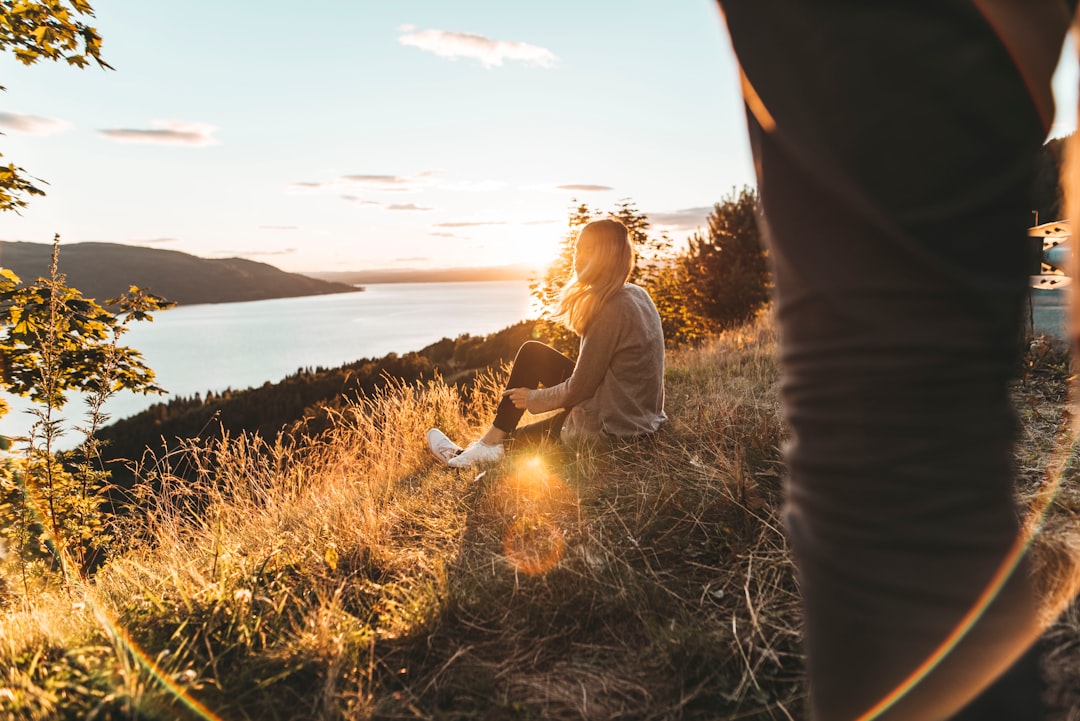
x=442 y=447
x=477 y=454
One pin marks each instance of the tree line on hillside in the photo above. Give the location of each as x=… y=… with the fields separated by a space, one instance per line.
x=720 y=279
x=301 y=404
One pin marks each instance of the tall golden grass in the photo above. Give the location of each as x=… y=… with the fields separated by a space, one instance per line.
x=351 y=577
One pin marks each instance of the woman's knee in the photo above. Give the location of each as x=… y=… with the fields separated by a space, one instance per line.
x=538 y=363
x=532 y=348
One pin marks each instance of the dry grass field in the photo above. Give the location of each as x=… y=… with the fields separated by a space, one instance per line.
x=352 y=577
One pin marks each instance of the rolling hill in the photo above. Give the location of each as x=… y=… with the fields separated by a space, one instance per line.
x=105 y=270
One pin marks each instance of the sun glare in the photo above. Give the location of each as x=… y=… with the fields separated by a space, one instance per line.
x=537 y=245
x=539 y=507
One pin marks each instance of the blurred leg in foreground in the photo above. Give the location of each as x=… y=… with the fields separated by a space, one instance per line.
x=896 y=146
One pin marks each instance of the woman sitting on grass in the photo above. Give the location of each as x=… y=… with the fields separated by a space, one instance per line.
x=616 y=388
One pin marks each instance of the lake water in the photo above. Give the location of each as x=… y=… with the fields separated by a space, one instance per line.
x=1049 y=313
x=197 y=348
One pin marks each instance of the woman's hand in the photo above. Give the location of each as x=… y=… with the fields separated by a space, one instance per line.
x=518 y=396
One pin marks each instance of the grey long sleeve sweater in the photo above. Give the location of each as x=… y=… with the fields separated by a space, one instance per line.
x=617 y=388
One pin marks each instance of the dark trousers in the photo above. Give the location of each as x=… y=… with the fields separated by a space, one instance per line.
x=895 y=157
x=535 y=364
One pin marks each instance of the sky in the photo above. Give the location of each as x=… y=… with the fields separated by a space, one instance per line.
x=363 y=134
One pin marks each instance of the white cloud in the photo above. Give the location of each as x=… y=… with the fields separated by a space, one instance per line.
x=165 y=132
x=406 y=206
x=154 y=241
x=32 y=124
x=489 y=52
x=347 y=186
x=253 y=253
x=355 y=200
x=468 y=223
x=388 y=183
x=572 y=187
x=685 y=219
x=476 y=186
x=585 y=187
x=385 y=182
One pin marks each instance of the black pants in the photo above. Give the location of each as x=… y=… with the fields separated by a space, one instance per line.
x=896 y=146
x=535 y=364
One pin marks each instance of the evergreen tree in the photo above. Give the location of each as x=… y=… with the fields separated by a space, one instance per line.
x=53 y=341
x=728 y=267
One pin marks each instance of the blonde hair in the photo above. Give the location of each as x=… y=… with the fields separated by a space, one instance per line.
x=603 y=261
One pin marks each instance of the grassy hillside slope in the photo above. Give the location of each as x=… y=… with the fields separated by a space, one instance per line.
x=303 y=403
x=351 y=577
x=105 y=270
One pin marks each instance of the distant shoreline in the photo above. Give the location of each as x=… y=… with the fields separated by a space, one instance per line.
x=435 y=275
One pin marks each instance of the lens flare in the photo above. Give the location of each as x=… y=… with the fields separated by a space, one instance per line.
x=538 y=506
x=117 y=634
x=534 y=545
x=1063 y=457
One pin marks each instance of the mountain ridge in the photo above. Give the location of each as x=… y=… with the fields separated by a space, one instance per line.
x=103 y=270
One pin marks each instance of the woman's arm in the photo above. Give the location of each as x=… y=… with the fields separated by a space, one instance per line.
x=598 y=347
x=518 y=396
